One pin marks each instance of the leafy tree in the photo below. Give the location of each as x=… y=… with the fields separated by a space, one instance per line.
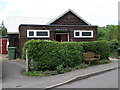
x=3 y=30
x=108 y=32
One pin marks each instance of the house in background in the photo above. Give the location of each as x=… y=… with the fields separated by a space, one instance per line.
x=66 y=28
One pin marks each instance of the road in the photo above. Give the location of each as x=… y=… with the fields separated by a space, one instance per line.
x=0 y=74
x=11 y=74
x=105 y=80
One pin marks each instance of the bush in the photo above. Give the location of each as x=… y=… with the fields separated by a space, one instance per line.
x=47 y=55
x=119 y=43
x=60 y=69
x=114 y=54
x=99 y=47
x=113 y=44
x=68 y=69
x=72 y=53
x=82 y=65
x=104 y=61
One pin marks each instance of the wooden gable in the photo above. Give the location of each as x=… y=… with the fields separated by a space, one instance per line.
x=69 y=18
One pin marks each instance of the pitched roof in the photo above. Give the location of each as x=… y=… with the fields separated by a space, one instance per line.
x=13 y=22
x=54 y=20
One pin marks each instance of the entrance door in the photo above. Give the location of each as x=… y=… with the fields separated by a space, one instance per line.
x=61 y=37
x=64 y=37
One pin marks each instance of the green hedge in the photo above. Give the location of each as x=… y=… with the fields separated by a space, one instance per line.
x=113 y=44
x=72 y=53
x=99 y=47
x=47 y=55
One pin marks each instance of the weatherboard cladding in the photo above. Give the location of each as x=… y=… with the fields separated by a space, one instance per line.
x=69 y=18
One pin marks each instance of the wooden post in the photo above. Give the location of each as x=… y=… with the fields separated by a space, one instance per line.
x=27 y=60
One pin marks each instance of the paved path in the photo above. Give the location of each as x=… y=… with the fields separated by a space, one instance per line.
x=13 y=77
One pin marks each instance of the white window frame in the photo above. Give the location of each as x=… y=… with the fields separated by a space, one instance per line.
x=28 y=33
x=48 y=31
x=35 y=33
x=80 y=33
x=75 y=33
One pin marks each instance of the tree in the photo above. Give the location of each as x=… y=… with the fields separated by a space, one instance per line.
x=3 y=30
x=108 y=32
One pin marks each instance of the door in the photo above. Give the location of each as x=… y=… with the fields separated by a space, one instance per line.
x=4 y=46
x=62 y=37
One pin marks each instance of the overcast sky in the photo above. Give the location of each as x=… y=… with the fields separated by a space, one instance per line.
x=96 y=12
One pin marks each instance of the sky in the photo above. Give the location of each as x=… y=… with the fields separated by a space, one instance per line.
x=96 y=12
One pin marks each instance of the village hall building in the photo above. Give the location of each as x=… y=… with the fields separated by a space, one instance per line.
x=68 y=27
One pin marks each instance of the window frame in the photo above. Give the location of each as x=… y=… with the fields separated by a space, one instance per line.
x=28 y=33
x=80 y=33
x=35 y=33
x=43 y=31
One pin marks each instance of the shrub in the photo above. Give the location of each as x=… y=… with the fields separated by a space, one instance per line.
x=68 y=69
x=60 y=69
x=119 y=43
x=72 y=53
x=44 y=54
x=82 y=65
x=99 y=47
x=104 y=61
x=113 y=44
x=114 y=54
x=47 y=55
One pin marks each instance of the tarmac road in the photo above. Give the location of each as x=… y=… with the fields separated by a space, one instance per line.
x=11 y=74
x=105 y=80
x=14 y=78
x=0 y=74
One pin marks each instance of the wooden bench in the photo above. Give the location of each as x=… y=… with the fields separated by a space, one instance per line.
x=90 y=57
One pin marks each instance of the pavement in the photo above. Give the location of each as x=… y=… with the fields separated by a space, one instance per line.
x=56 y=80
x=86 y=73
x=104 y=80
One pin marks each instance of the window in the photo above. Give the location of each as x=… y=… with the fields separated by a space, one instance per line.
x=86 y=33
x=31 y=33
x=83 y=34
x=77 y=33
x=42 y=33
x=38 y=33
